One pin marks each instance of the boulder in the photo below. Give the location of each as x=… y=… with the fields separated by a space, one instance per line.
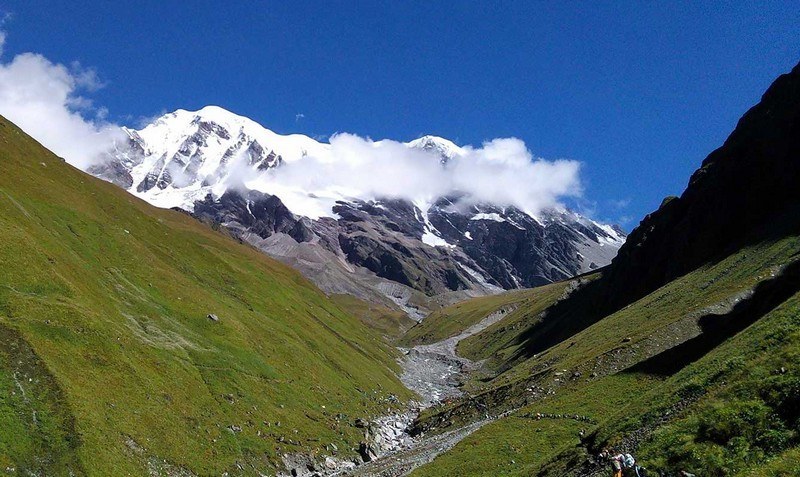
x=362 y=423
x=366 y=452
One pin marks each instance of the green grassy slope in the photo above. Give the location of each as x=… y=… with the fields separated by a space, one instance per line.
x=452 y=320
x=108 y=363
x=390 y=323
x=698 y=375
x=499 y=343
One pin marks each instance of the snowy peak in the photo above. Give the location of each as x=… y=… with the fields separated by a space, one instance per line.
x=222 y=126
x=183 y=155
x=442 y=147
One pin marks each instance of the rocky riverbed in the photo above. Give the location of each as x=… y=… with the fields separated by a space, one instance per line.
x=435 y=372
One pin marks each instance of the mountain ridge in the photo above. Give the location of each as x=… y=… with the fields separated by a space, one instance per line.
x=191 y=159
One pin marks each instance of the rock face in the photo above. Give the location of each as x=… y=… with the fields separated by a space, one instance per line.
x=379 y=249
x=374 y=244
x=254 y=212
x=481 y=251
x=744 y=192
x=518 y=250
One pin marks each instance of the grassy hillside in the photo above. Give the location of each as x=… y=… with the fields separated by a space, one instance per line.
x=109 y=364
x=703 y=374
x=499 y=343
x=390 y=323
x=452 y=320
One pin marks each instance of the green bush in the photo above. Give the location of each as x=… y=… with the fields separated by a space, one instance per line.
x=782 y=393
x=724 y=437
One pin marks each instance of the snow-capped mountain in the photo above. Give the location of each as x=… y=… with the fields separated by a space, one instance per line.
x=182 y=156
x=442 y=147
x=374 y=247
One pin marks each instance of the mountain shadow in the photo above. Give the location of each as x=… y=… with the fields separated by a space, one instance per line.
x=716 y=329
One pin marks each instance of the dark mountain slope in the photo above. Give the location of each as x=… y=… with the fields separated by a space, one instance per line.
x=735 y=198
x=746 y=192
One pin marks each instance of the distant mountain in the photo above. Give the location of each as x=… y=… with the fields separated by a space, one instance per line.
x=380 y=249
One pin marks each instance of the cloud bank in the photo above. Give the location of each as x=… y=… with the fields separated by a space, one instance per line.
x=501 y=172
x=44 y=99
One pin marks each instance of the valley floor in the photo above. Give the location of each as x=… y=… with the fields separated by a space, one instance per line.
x=435 y=372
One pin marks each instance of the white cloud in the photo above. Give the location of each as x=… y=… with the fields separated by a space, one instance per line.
x=44 y=99
x=620 y=204
x=501 y=171
x=4 y=17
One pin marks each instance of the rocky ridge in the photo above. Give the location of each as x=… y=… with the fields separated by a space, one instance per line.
x=389 y=250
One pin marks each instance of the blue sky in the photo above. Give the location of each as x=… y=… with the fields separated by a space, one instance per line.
x=638 y=92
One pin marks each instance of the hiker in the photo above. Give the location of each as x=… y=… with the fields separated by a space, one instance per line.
x=623 y=465
x=630 y=468
x=615 y=461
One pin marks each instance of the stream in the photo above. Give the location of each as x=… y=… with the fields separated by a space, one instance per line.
x=435 y=373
